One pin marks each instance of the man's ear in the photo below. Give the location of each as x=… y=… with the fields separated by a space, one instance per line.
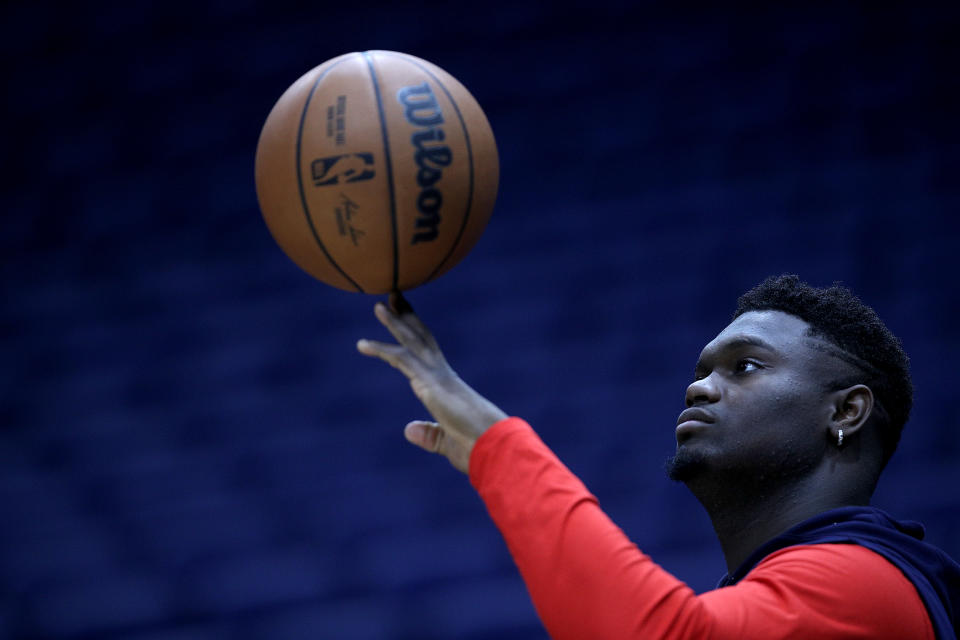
x=852 y=407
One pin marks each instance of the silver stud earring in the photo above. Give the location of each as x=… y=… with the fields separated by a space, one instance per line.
x=839 y=437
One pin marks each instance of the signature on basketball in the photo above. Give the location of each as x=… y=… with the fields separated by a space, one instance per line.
x=345 y=211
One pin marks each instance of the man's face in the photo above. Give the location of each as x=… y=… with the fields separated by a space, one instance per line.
x=757 y=407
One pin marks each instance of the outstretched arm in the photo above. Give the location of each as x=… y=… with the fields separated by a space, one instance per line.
x=462 y=415
x=586 y=579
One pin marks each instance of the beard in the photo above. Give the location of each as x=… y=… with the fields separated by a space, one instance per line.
x=685 y=465
x=756 y=473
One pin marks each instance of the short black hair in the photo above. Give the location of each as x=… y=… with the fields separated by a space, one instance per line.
x=837 y=315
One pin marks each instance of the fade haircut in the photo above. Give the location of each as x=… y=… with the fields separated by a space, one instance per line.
x=838 y=316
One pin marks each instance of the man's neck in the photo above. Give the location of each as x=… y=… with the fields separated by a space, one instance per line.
x=744 y=517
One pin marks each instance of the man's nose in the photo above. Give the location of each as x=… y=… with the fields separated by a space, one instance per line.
x=703 y=391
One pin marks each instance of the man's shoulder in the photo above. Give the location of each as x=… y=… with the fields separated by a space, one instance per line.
x=852 y=562
x=847 y=582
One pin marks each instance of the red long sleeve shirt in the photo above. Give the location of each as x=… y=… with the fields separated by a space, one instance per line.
x=589 y=582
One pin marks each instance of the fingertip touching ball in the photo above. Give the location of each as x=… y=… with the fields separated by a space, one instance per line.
x=376 y=172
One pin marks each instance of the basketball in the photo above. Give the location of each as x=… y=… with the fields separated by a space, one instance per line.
x=376 y=172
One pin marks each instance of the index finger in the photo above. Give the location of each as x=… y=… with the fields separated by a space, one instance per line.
x=399 y=304
x=399 y=327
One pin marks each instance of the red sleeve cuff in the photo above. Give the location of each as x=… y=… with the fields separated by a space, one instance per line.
x=486 y=446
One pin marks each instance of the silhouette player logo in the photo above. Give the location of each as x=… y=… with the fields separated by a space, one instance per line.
x=342 y=169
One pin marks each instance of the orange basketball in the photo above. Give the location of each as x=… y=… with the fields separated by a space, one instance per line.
x=376 y=171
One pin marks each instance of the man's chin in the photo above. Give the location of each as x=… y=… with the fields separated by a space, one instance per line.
x=685 y=465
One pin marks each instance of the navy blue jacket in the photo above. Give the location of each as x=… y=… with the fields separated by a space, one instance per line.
x=935 y=575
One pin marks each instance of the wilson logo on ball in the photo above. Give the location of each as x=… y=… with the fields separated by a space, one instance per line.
x=421 y=109
x=350 y=167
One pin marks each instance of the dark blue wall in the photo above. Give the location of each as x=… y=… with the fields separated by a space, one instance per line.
x=190 y=446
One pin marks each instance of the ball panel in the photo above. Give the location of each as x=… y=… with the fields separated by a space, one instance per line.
x=277 y=185
x=486 y=168
x=346 y=175
x=432 y=168
x=468 y=184
x=486 y=174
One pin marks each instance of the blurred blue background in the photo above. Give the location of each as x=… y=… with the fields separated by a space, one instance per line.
x=192 y=449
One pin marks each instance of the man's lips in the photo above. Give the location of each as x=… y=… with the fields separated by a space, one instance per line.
x=693 y=416
x=697 y=414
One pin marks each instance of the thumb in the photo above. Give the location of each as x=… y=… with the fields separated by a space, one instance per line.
x=432 y=437
x=424 y=434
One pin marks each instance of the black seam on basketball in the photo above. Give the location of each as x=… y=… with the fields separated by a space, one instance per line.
x=466 y=135
x=386 y=153
x=303 y=197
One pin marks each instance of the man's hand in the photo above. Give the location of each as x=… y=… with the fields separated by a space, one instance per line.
x=461 y=413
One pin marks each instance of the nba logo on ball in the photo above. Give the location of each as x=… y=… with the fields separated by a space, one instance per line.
x=376 y=172
x=354 y=167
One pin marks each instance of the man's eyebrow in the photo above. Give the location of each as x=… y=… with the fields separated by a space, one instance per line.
x=737 y=342
x=747 y=341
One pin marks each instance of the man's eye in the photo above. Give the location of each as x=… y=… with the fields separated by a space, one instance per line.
x=745 y=366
